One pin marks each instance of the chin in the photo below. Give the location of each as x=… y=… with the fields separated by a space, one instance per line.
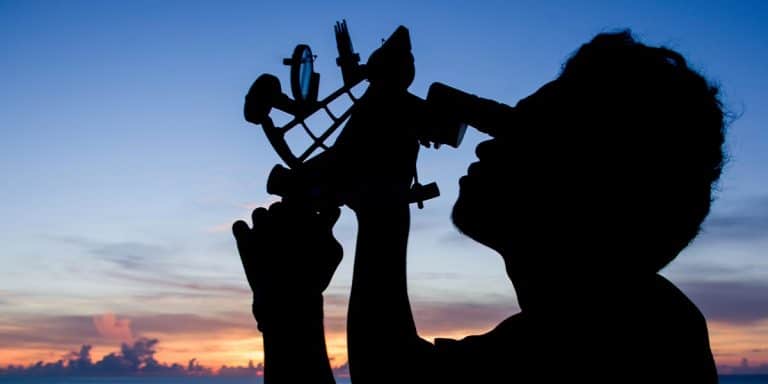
x=459 y=214
x=481 y=218
x=468 y=219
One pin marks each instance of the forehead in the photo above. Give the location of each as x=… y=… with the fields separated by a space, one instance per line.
x=545 y=97
x=559 y=120
x=532 y=113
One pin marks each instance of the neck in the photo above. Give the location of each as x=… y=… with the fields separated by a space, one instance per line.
x=553 y=293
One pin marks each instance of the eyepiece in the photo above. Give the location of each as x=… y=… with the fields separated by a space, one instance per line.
x=485 y=115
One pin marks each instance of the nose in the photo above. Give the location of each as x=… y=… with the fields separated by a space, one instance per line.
x=487 y=149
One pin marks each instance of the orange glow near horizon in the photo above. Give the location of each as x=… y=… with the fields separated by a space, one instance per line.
x=730 y=344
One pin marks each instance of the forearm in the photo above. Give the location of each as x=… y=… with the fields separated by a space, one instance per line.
x=380 y=323
x=294 y=345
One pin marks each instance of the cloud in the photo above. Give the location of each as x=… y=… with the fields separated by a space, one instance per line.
x=729 y=301
x=747 y=221
x=135 y=359
x=690 y=269
x=194 y=324
x=237 y=371
x=434 y=317
x=46 y=331
x=745 y=368
x=150 y=265
x=112 y=327
x=138 y=263
x=152 y=272
x=138 y=359
x=169 y=280
x=130 y=255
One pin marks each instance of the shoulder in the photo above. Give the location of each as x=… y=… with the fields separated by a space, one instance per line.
x=500 y=353
x=682 y=329
x=509 y=342
x=511 y=328
x=674 y=308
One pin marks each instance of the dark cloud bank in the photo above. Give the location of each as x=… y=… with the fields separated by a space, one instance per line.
x=736 y=302
x=137 y=359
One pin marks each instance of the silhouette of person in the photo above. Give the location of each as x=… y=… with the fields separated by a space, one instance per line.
x=589 y=187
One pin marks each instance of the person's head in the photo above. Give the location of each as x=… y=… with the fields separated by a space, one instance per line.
x=609 y=166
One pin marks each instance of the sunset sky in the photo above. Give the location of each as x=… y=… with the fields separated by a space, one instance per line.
x=125 y=158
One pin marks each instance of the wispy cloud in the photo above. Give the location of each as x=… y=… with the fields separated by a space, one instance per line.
x=436 y=317
x=52 y=331
x=747 y=220
x=186 y=283
x=131 y=255
x=47 y=331
x=191 y=324
x=729 y=301
x=156 y=268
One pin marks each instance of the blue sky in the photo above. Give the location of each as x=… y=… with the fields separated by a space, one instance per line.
x=125 y=156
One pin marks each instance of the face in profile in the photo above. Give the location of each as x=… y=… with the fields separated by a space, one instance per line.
x=478 y=211
x=503 y=198
x=620 y=152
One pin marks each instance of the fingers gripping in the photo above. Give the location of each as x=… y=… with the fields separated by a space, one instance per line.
x=289 y=249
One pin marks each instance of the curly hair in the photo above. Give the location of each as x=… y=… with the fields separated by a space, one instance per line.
x=663 y=125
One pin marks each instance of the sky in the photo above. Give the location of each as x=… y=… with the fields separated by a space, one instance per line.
x=125 y=158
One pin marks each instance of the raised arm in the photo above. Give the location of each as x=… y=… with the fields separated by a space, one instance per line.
x=289 y=257
x=380 y=324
